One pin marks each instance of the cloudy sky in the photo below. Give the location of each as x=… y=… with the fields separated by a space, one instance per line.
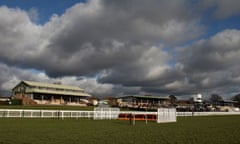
x=114 y=48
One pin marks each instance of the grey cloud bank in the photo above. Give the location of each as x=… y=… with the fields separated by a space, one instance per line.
x=122 y=47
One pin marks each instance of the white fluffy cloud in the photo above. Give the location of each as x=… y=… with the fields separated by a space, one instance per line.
x=89 y=34
x=213 y=64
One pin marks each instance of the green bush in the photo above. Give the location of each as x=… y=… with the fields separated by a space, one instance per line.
x=16 y=102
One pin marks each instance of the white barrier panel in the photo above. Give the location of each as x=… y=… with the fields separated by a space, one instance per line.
x=165 y=115
x=106 y=113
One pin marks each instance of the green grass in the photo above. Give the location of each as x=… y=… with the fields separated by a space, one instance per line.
x=187 y=130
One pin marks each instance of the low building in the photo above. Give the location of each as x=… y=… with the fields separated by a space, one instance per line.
x=143 y=101
x=49 y=94
x=4 y=100
x=226 y=105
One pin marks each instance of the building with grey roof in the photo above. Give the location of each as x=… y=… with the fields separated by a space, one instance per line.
x=49 y=94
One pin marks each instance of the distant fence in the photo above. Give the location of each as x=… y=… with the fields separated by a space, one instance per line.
x=206 y=113
x=97 y=114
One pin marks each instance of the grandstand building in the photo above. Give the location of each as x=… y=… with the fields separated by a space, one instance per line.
x=49 y=94
x=143 y=101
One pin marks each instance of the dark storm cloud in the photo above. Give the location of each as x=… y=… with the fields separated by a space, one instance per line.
x=102 y=35
x=118 y=47
x=222 y=8
x=11 y=76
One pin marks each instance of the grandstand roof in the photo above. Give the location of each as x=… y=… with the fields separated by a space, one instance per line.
x=48 y=85
x=53 y=88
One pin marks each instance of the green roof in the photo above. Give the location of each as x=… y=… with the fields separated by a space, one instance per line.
x=58 y=86
x=39 y=87
x=77 y=93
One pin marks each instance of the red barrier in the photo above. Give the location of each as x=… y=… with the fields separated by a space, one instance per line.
x=127 y=116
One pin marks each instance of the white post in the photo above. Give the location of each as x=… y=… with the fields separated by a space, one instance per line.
x=62 y=113
x=20 y=114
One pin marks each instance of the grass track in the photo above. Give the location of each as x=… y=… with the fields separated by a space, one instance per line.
x=188 y=130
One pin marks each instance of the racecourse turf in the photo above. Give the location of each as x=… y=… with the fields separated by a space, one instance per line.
x=187 y=130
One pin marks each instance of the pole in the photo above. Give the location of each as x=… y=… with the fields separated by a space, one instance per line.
x=146 y=118
x=133 y=119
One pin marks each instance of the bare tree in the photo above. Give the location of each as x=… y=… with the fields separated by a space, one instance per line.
x=215 y=98
x=173 y=99
x=236 y=98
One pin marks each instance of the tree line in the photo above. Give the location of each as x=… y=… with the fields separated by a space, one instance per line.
x=213 y=98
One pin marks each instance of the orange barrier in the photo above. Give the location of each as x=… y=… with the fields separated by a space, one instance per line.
x=127 y=116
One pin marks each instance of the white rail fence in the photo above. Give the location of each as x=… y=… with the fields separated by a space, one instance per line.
x=24 y=113
x=17 y=113
x=206 y=113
